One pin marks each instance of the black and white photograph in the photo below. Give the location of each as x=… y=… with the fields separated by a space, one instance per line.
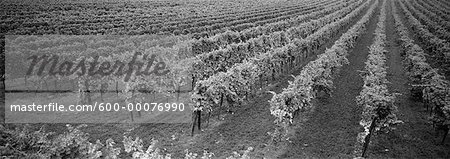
x=225 y=79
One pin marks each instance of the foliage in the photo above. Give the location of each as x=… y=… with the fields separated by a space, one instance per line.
x=22 y=142
x=316 y=76
x=240 y=80
x=379 y=111
x=432 y=87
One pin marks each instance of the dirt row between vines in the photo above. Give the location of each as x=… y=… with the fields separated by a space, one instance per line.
x=250 y=124
x=331 y=130
x=416 y=137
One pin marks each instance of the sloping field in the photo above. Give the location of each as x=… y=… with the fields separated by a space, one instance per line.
x=256 y=78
